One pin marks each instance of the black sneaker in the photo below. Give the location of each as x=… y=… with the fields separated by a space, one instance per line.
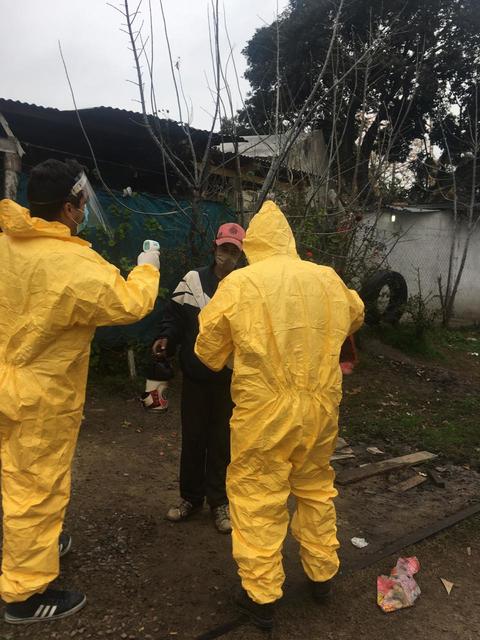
x=320 y=590
x=260 y=614
x=41 y=607
x=64 y=544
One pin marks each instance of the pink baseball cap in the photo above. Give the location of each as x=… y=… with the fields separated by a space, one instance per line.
x=232 y=233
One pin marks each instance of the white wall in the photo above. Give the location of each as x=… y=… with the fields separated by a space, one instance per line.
x=424 y=243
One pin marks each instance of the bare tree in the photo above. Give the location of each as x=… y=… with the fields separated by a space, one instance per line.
x=341 y=226
x=337 y=222
x=466 y=216
x=192 y=168
x=320 y=93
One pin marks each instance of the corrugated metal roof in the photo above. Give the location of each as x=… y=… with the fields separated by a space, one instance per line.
x=254 y=146
x=307 y=155
x=407 y=208
x=116 y=110
x=433 y=207
x=121 y=142
x=27 y=104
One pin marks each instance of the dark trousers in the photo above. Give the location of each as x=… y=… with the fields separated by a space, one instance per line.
x=206 y=412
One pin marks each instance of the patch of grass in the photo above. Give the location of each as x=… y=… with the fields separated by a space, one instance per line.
x=431 y=344
x=454 y=440
x=469 y=403
x=404 y=338
x=459 y=340
x=450 y=429
x=417 y=404
x=398 y=429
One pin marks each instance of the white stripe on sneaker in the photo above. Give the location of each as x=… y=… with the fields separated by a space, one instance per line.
x=45 y=611
x=52 y=610
x=38 y=612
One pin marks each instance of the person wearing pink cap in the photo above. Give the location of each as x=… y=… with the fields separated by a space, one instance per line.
x=206 y=403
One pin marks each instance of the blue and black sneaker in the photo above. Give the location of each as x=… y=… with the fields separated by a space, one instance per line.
x=52 y=604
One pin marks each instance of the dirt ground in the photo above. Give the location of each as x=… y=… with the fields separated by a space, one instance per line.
x=147 y=578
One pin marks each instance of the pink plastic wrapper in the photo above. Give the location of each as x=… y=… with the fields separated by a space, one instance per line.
x=399 y=589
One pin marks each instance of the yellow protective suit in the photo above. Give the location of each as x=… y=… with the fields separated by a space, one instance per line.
x=284 y=320
x=54 y=291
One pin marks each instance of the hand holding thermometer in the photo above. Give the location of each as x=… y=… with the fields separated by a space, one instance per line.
x=150 y=254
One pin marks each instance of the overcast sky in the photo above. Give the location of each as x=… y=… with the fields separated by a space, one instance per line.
x=98 y=60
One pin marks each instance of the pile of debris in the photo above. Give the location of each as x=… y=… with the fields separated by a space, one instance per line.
x=387 y=466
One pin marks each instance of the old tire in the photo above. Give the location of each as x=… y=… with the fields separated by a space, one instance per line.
x=384 y=295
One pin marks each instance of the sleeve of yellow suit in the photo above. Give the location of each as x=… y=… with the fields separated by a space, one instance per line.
x=124 y=301
x=214 y=344
x=355 y=304
x=98 y=295
x=357 y=311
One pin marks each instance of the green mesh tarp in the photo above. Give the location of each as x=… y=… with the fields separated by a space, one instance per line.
x=186 y=241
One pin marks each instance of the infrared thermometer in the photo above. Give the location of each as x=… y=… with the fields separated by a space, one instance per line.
x=151 y=245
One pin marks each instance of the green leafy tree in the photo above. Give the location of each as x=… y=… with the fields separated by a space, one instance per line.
x=426 y=50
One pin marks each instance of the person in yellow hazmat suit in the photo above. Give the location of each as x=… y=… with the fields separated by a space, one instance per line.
x=54 y=291
x=284 y=320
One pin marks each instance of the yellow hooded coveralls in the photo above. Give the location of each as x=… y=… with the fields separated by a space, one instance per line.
x=54 y=291
x=285 y=321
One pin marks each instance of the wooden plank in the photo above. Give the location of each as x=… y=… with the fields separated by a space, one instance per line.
x=409 y=483
x=410 y=539
x=342 y=456
x=376 y=468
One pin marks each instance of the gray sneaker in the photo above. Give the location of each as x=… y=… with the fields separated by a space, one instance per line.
x=221 y=517
x=182 y=511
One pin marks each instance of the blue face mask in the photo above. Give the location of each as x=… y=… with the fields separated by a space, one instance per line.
x=83 y=224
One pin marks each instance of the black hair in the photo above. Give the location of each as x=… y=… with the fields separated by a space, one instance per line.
x=49 y=187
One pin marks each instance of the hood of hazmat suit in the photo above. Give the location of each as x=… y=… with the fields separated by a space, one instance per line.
x=284 y=320
x=54 y=291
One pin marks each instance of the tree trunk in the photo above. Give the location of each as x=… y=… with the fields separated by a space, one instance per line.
x=347 y=155
x=238 y=188
x=364 y=188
